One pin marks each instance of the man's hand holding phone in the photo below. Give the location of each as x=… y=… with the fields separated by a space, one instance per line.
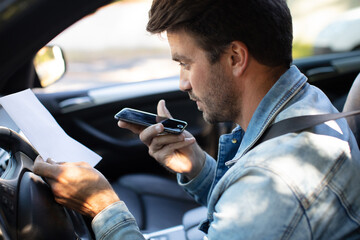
x=177 y=152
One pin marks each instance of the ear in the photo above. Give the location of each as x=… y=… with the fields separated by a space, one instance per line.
x=239 y=56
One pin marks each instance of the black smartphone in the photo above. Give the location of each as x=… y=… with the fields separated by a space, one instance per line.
x=171 y=125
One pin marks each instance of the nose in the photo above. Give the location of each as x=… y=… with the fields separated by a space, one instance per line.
x=184 y=83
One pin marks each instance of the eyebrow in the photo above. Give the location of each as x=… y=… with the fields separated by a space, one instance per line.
x=177 y=58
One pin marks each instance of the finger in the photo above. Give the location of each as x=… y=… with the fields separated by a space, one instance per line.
x=75 y=164
x=132 y=127
x=159 y=151
x=45 y=169
x=187 y=134
x=163 y=140
x=82 y=164
x=169 y=149
x=183 y=144
x=50 y=161
x=50 y=182
x=150 y=133
x=162 y=110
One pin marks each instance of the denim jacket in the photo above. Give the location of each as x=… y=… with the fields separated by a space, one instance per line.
x=303 y=185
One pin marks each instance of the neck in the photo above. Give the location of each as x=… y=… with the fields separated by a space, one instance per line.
x=258 y=79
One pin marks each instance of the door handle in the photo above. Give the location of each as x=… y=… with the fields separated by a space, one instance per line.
x=75 y=103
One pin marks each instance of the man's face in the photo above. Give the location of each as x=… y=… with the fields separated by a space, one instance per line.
x=210 y=85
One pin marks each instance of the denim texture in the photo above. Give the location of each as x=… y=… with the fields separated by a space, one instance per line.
x=302 y=185
x=296 y=186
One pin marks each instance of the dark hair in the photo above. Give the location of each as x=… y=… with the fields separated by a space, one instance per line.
x=264 y=26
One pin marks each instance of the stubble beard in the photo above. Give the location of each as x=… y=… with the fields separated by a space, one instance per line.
x=219 y=113
x=220 y=103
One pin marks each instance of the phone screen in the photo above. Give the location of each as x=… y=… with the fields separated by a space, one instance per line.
x=147 y=119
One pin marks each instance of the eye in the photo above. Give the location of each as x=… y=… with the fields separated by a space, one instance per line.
x=184 y=65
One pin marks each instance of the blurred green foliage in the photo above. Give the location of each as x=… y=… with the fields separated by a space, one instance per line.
x=301 y=50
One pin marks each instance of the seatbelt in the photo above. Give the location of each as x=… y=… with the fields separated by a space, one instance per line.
x=300 y=123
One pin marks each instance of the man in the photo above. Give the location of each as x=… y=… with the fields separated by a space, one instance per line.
x=235 y=60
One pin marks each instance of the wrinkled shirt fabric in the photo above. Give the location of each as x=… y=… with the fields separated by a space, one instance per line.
x=301 y=185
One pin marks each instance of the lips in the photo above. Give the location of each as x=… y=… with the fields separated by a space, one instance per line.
x=192 y=97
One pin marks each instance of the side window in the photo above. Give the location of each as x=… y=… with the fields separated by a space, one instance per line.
x=325 y=26
x=112 y=46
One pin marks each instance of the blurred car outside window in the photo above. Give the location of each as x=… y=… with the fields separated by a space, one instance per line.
x=112 y=46
x=325 y=26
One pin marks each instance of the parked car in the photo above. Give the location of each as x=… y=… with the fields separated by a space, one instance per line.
x=27 y=208
x=341 y=35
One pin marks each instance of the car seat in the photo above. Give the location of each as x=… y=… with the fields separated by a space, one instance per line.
x=156 y=202
x=353 y=103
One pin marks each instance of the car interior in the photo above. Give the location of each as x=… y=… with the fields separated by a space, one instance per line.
x=162 y=209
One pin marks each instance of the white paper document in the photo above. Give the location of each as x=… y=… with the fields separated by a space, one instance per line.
x=42 y=130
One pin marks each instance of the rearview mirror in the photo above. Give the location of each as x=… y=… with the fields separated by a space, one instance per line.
x=50 y=65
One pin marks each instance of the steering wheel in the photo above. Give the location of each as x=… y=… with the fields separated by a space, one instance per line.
x=27 y=207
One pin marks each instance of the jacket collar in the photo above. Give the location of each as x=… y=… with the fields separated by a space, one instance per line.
x=286 y=87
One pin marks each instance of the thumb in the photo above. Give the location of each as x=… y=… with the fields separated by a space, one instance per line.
x=162 y=111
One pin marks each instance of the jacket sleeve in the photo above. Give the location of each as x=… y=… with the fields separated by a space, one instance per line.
x=199 y=187
x=116 y=222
